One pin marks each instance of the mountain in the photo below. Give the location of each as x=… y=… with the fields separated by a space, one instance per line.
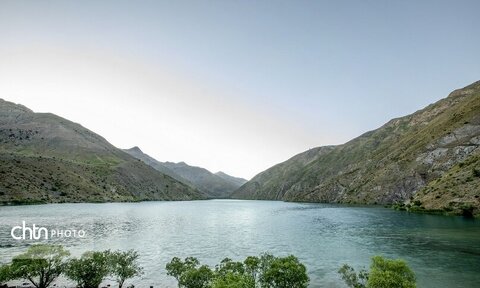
x=203 y=179
x=235 y=180
x=159 y=166
x=218 y=185
x=427 y=161
x=46 y=158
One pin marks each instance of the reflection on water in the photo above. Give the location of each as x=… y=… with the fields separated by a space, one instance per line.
x=443 y=251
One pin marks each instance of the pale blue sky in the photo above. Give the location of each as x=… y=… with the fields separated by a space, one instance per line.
x=247 y=83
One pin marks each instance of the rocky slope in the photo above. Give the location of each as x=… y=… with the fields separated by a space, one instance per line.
x=427 y=160
x=218 y=185
x=46 y=158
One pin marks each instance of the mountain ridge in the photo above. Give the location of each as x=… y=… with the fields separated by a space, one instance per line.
x=46 y=158
x=387 y=165
x=212 y=185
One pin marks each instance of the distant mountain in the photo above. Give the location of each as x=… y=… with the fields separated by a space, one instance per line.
x=137 y=153
x=213 y=185
x=46 y=158
x=235 y=180
x=426 y=161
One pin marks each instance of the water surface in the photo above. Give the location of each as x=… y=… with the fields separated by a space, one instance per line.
x=443 y=251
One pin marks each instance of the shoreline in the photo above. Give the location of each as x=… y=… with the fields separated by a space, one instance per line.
x=394 y=206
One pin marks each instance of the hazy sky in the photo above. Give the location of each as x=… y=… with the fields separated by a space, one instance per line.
x=236 y=86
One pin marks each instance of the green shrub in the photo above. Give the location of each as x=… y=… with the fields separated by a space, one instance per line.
x=232 y=274
x=476 y=172
x=467 y=210
x=200 y=277
x=351 y=278
x=284 y=272
x=384 y=273
x=41 y=264
x=388 y=273
x=189 y=274
x=89 y=270
x=177 y=267
x=124 y=265
x=265 y=271
x=5 y=274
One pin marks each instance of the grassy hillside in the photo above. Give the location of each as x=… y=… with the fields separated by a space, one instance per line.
x=388 y=165
x=456 y=192
x=46 y=158
x=272 y=183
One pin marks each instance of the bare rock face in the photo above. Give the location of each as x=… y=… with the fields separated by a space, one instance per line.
x=451 y=149
x=388 y=165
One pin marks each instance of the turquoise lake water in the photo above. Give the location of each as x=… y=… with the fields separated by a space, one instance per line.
x=443 y=251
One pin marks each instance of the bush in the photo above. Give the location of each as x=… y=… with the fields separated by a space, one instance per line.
x=284 y=272
x=177 y=267
x=89 y=270
x=41 y=264
x=467 y=210
x=200 y=277
x=351 y=278
x=188 y=274
x=4 y=274
x=476 y=172
x=265 y=271
x=230 y=274
x=124 y=265
x=233 y=281
x=384 y=273
x=387 y=273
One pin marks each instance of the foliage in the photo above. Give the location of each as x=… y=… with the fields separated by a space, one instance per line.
x=265 y=271
x=233 y=275
x=351 y=278
x=177 y=267
x=252 y=264
x=5 y=273
x=124 y=265
x=188 y=274
x=384 y=273
x=231 y=280
x=476 y=172
x=228 y=266
x=41 y=264
x=200 y=277
x=90 y=269
x=284 y=272
x=390 y=273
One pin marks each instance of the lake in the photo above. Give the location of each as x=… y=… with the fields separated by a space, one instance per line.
x=443 y=251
